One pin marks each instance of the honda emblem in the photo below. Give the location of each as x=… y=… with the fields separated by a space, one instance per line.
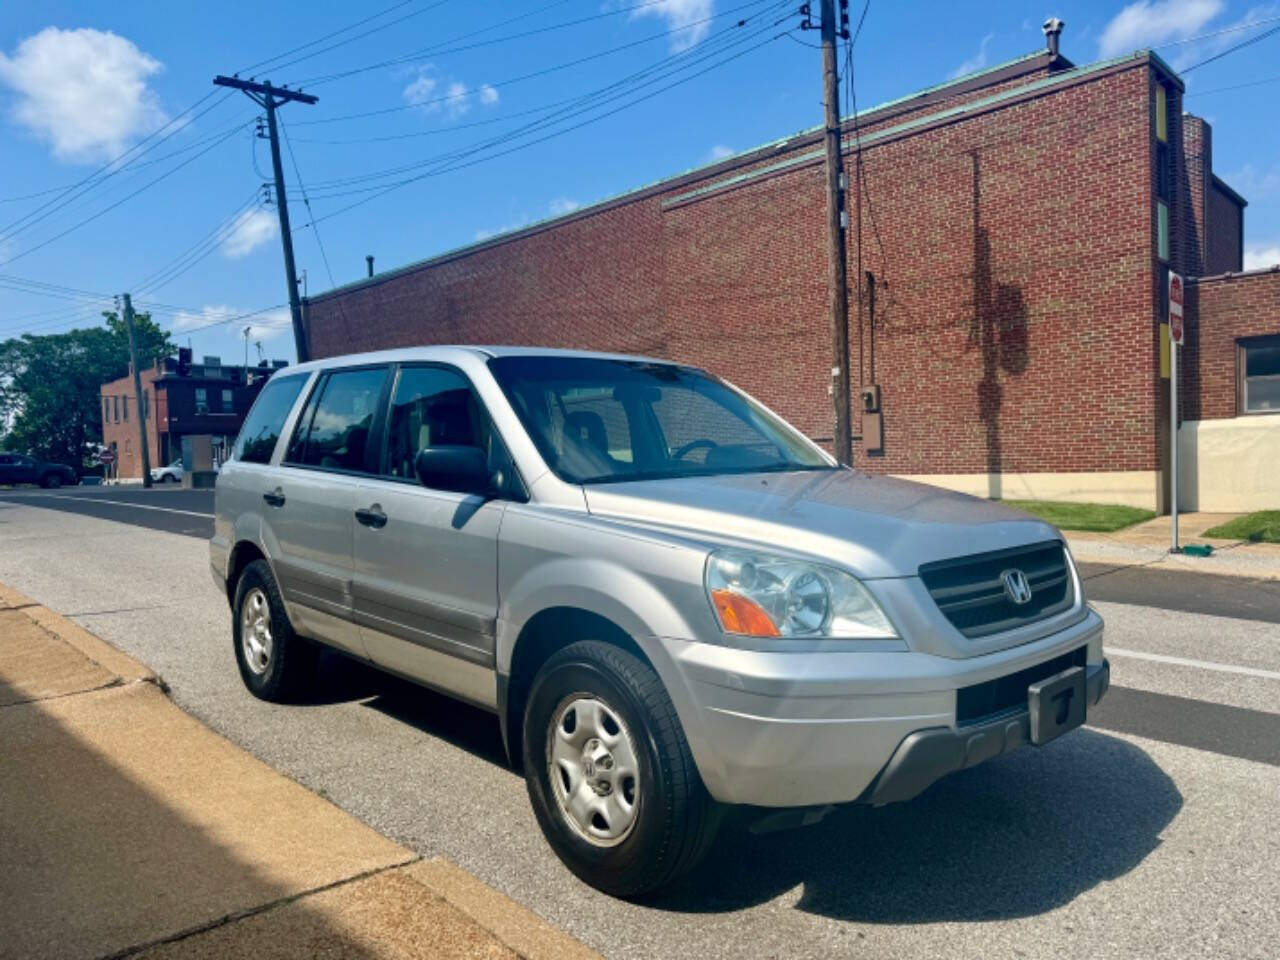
x=1016 y=587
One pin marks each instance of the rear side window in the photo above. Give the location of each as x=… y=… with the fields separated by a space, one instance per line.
x=335 y=428
x=265 y=422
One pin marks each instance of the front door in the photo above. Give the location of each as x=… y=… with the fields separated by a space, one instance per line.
x=311 y=508
x=426 y=561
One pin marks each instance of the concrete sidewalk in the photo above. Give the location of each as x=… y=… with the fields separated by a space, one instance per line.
x=131 y=829
x=1149 y=542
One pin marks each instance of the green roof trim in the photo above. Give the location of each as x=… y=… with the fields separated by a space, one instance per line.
x=1044 y=83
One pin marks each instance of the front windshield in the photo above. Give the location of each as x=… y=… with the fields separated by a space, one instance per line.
x=599 y=420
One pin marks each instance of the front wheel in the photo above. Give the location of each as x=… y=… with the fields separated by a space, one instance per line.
x=275 y=663
x=51 y=481
x=609 y=772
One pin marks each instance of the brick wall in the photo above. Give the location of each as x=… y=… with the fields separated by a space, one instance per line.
x=124 y=433
x=1225 y=233
x=1016 y=284
x=1221 y=310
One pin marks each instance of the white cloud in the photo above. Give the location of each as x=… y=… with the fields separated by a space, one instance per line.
x=974 y=63
x=1149 y=23
x=83 y=91
x=247 y=232
x=680 y=14
x=421 y=90
x=262 y=326
x=1258 y=258
x=455 y=98
x=719 y=152
x=562 y=205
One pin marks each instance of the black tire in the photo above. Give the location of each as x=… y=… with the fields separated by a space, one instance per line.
x=168 y=478
x=51 y=481
x=676 y=819
x=289 y=670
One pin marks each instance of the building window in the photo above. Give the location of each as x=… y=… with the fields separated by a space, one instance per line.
x=202 y=400
x=1164 y=173
x=1260 y=375
x=124 y=406
x=1162 y=231
x=228 y=402
x=116 y=405
x=1162 y=113
x=106 y=410
x=146 y=404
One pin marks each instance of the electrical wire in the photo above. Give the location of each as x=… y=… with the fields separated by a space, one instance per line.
x=1232 y=49
x=458 y=166
x=327 y=36
x=511 y=81
x=591 y=100
x=305 y=200
x=108 y=209
x=189 y=257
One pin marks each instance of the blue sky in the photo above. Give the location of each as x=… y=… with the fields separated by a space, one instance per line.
x=81 y=82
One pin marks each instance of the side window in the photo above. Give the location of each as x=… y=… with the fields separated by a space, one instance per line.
x=202 y=400
x=228 y=402
x=261 y=430
x=334 y=430
x=431 y=406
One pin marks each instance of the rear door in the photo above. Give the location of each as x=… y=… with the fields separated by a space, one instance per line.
x=25 y=470
x=8 y=468
x=311 y=507
x=426 y=561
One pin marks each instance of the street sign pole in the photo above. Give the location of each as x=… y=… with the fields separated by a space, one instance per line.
x=1175 y=341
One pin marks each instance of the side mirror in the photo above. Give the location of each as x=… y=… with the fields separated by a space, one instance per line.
x=456 y=468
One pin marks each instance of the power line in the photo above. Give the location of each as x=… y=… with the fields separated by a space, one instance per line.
x=1217 y=33
x=1234 y=86
x=613 y=91
x=458 y=166
x=106 y=171
x=306 y=202
x=511 y=81
x=1232 y=49
x=108 y=209
x=188 y=258
x=327 y=36
x=441 y=49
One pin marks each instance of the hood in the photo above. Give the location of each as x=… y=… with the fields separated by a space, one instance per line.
x=872 y=526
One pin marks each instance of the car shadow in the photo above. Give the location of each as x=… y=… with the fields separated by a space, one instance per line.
x=1016 y=837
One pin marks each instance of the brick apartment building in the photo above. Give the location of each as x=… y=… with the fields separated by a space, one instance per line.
x=180 y=400
x=1019 y=225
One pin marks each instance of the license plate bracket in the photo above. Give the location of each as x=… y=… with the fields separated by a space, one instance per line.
x=1056 y=704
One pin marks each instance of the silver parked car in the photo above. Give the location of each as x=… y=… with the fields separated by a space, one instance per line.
x=672 y=600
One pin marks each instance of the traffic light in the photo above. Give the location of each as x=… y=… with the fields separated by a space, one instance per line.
x=184 y=361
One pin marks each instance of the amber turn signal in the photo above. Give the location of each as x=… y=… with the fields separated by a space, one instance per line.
x=742 y=616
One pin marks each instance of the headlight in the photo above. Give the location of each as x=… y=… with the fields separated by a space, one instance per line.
x=755 y=595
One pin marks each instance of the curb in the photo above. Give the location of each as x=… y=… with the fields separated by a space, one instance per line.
x=509 y=923
x=94 y=648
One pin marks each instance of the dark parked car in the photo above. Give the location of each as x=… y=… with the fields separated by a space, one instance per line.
x=19 y=468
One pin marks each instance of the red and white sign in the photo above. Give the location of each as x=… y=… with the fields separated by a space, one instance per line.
x=1175 y=308
x=106 y=456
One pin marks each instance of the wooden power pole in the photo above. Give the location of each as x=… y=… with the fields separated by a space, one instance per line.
x=269 y=97
x=140 y=401
x=837 y=281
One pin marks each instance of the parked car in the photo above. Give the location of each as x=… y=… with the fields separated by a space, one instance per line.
x=17 y=468
x=672 y=599
x=170 y=474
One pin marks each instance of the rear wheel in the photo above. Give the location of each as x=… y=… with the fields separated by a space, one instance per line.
x=609 y=772
x=51 y=481
x=275 y=663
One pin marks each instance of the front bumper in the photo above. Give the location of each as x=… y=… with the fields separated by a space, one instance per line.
x=928 y=755
x=807 y=729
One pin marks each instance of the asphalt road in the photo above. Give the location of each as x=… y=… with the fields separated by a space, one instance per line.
x=1154 y=832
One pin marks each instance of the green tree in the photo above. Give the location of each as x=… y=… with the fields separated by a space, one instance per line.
x=50 y=405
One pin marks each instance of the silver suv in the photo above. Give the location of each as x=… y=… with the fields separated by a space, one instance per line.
x=672 y=600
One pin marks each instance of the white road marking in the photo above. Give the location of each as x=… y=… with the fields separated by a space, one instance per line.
x=1198 y=664
x=118 y=503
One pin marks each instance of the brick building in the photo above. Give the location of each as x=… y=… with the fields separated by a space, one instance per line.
x=180 y=400
x=1018 y=225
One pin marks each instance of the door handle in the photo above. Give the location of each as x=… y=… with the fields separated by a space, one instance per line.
x=275 y=498
x=372 y=517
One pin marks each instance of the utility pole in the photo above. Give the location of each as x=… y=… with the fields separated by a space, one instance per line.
x=137 y=391
x=269 y=97
x=837 y=281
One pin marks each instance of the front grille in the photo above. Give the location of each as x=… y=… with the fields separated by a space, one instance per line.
x=1003 y=694
x=970 y=591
